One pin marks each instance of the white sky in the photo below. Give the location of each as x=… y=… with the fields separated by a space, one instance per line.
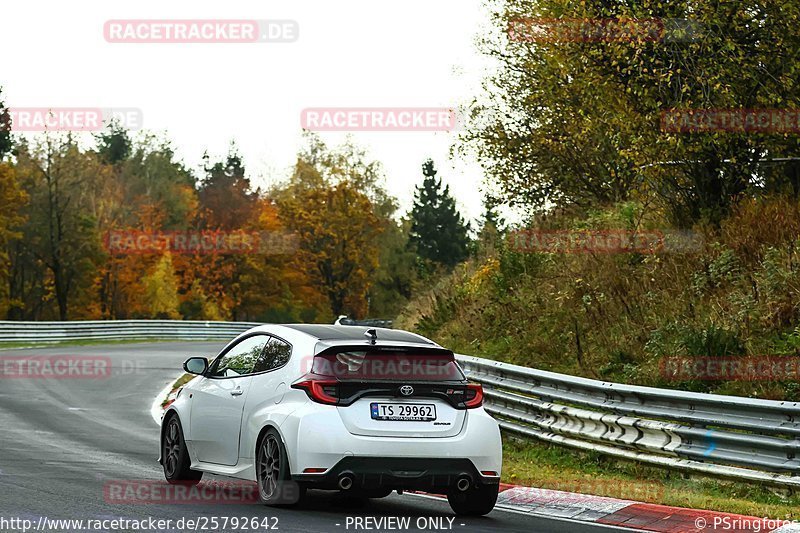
x=351 y=53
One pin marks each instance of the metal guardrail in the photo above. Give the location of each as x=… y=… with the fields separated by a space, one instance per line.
x=732 y=437
x=738 y=438
x=24 y=332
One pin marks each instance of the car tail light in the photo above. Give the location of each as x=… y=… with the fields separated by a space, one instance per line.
x=489 y=473
x=320 y=390
x=314 y=470
x=474 y=396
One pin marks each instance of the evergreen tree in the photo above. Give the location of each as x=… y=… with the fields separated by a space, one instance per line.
x=113 y=144
x=437 y=229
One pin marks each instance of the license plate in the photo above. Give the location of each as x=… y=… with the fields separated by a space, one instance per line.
x=412 y=412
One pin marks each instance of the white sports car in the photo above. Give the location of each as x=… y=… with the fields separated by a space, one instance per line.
x=361 y=410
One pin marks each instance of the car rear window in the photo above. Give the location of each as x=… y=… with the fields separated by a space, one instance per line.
x=360 y=365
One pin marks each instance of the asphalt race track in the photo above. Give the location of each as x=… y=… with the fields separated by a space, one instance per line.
x=63 y=440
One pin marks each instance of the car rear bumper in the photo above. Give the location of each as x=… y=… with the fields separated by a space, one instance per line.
x=316 y=438
x=367 y=473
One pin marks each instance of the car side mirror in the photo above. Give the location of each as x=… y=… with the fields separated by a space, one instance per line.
x=196 y=365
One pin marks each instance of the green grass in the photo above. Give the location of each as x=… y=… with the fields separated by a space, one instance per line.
x=542 y=465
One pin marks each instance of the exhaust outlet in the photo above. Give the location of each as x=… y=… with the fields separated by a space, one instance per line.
x=463 y=483
x=346 y=482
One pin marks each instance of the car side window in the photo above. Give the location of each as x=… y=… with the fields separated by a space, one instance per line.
x=240 y=360
x=275 y=354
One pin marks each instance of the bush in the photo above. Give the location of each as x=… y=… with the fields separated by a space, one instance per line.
x=615 y=316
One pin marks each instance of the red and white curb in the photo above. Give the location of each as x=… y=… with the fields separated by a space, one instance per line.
x=631 y=514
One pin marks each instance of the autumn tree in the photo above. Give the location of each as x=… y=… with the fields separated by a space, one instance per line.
x=227 y=198
x=226 y=202
x=337 y=229
x=154 y=178
x=12 y=202
x=349 y=162
x=391 y=283
x=147 y=190
x=571 y=119
x=277 y=285
x=327 y=241
x=56 y=256
x=160 y=289
x=196 y=304
x=5 y=129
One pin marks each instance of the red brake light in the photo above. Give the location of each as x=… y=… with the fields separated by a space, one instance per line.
x=474 y=396
x=321 y=391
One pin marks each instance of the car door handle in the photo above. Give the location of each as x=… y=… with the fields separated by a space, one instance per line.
x=236 y=392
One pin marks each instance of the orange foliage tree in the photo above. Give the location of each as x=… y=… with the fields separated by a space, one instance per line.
x=337 y=231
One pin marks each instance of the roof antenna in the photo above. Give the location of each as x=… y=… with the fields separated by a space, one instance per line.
x=371 y=335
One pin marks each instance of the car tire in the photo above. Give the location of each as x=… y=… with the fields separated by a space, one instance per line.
x=476 y=501
x=175 y=455
x=275 y=485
